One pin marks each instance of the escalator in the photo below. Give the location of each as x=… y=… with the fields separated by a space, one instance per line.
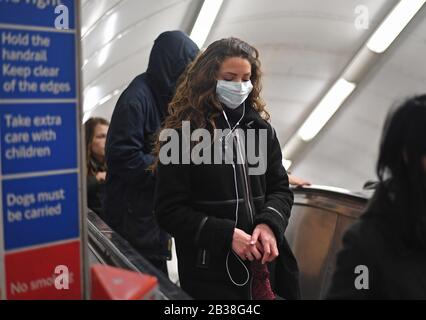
x=318 y=221
x=109 y=248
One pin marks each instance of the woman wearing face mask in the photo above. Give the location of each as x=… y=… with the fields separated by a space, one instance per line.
x=387 y=247
x=96 y=131
x=228 y=222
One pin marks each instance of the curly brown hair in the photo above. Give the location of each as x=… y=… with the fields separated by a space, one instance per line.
x=195 y=99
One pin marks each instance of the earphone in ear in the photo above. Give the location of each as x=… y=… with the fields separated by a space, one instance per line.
x=229 y=125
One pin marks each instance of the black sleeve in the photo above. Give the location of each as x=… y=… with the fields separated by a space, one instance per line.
x=94 y=194
x=279 y=197
x=92 y=185
x=125 y=142
x=354 y=253
x=175 y=214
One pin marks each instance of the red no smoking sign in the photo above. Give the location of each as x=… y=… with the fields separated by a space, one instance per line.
x=46 y=273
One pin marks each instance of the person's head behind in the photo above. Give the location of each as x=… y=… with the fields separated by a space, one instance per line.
x=401 y=166
x=196 y=99
x=96 y=131
x=169 y=57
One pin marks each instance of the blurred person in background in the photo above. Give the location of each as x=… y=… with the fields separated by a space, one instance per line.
x=96 y=131
x=384 y=253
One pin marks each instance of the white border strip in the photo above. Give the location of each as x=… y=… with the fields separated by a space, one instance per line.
x=34 y=28
x=42 y=246
x=2 y=251
x=36 y=101
x=39 y=174
x=82 y=190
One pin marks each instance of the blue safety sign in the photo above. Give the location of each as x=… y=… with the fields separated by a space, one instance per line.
x=40 y=159
x=38 y=137
x=37 y=64
x=40 y=210
x=39 y=13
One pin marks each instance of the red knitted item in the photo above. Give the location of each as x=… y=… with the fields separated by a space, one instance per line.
x=261 y=285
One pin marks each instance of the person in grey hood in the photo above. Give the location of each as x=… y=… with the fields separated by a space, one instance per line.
x=141 y=108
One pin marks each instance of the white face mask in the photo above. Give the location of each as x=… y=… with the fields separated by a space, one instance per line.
x=233 y=94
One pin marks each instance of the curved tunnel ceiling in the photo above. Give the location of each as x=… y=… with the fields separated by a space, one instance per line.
x=304 y=47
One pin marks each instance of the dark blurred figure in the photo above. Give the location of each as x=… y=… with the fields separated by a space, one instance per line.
x=135 y=121
x=96 y=132
x=390 y=238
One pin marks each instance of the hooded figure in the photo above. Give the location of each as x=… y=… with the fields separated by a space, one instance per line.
x=136 y=119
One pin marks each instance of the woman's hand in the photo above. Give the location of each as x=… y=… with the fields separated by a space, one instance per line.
x=101 y=176
x=297 y=182
x=241 y=245
x=263 y=234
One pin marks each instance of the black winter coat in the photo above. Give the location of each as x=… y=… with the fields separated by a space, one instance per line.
x=395 y=270
x=197 y=203
x=96 y=189
x=136 y=119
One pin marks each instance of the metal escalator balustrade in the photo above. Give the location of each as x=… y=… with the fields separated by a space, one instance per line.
x=108 y=247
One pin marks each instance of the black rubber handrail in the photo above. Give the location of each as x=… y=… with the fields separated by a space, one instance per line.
x=332 y=191
x=116 y=251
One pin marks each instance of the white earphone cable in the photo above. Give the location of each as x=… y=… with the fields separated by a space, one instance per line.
x=236 y=207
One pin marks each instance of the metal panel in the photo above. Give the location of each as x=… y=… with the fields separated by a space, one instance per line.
x=319 y=219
